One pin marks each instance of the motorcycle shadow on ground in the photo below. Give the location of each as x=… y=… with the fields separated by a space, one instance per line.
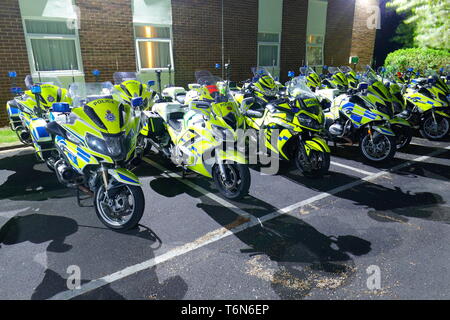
x=31 y=180
x=67 y=248
x=424 y=169
x=393 y=203
x=287 y=252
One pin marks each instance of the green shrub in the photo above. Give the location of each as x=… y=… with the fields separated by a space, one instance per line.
x=417 y=58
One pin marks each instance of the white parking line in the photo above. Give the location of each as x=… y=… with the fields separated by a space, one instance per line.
x=351 y=168
x=203 y=191
x=221 y=233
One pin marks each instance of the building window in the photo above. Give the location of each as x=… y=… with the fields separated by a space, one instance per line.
x=52 y=46
x=153 y=47
x=314 y=50
x=268 y=49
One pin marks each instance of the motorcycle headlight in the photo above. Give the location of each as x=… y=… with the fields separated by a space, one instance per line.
x=112 y=146
x=308 y=122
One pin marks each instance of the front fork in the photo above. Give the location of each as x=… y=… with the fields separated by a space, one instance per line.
x=222 y=169
x=303 y=151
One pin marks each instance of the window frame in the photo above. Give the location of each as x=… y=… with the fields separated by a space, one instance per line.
x=137 y=40
x=315 y=45
x=43 y=36
x=265 y=43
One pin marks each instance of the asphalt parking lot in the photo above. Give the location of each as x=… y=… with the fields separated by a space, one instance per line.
x=291 y=238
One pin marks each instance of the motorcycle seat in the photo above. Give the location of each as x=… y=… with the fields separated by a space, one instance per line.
x=175 y=120
x=181 y=98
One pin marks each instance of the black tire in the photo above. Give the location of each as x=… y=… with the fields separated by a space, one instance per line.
x=403 y=136
x=320 y=163
x=427 y=134
x=135 y=215
x=240 y=184
x=389 y=142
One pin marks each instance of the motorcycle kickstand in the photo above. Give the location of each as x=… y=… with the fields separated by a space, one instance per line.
x=80 y=199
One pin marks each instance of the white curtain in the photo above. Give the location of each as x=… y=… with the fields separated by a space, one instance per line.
x=52 y=54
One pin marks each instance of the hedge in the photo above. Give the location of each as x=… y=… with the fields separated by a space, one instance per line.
x=417 y=58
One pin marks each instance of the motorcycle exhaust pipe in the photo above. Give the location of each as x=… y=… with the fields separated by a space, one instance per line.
x=24 y=135
x=64 y=173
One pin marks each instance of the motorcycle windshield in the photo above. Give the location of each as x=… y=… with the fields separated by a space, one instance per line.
x=333 y=70
x=30 y=81
x=209 y=81
x=298 y=85
x=84 y=92
x=346 y=69
x=261 y=71
x=120 y=77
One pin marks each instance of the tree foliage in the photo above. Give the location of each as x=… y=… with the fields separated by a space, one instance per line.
x=418 y=58
x=429 y=20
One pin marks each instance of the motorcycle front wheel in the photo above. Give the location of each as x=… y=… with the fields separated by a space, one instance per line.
x=378 y=148
x=122 y=209
x=237 y=183
x=319 y=163
x=403 y=136
x=434 y=130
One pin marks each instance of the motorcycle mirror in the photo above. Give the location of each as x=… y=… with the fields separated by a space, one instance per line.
x=63 y=107
x=137 y=102
x=36 y=89
x=12 y=74
x=151 y=83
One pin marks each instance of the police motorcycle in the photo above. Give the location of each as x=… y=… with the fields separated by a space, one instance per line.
x=201 y=134
x=427 y=106
x=295 y=115
x=28 y=112
x=354 y=118
x=95 y=143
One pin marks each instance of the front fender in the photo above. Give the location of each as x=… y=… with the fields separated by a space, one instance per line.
x=231 y=155
x=322 y=143
x=442 y=113
x=399 y=121
x=124 y=176
x=384 y=130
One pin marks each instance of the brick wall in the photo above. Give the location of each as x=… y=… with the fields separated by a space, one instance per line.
x=363 y=38
x=106 y=37
x=13 y=52
x=197 y=37
x=293 y=36
x=338 y=37
x=241 y=37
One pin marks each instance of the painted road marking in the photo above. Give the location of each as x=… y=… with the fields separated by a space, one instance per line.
x=223 y=232
x=351 y=168
x=203 y=191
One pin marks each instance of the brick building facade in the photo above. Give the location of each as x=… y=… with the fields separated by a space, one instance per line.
x=107 y=39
